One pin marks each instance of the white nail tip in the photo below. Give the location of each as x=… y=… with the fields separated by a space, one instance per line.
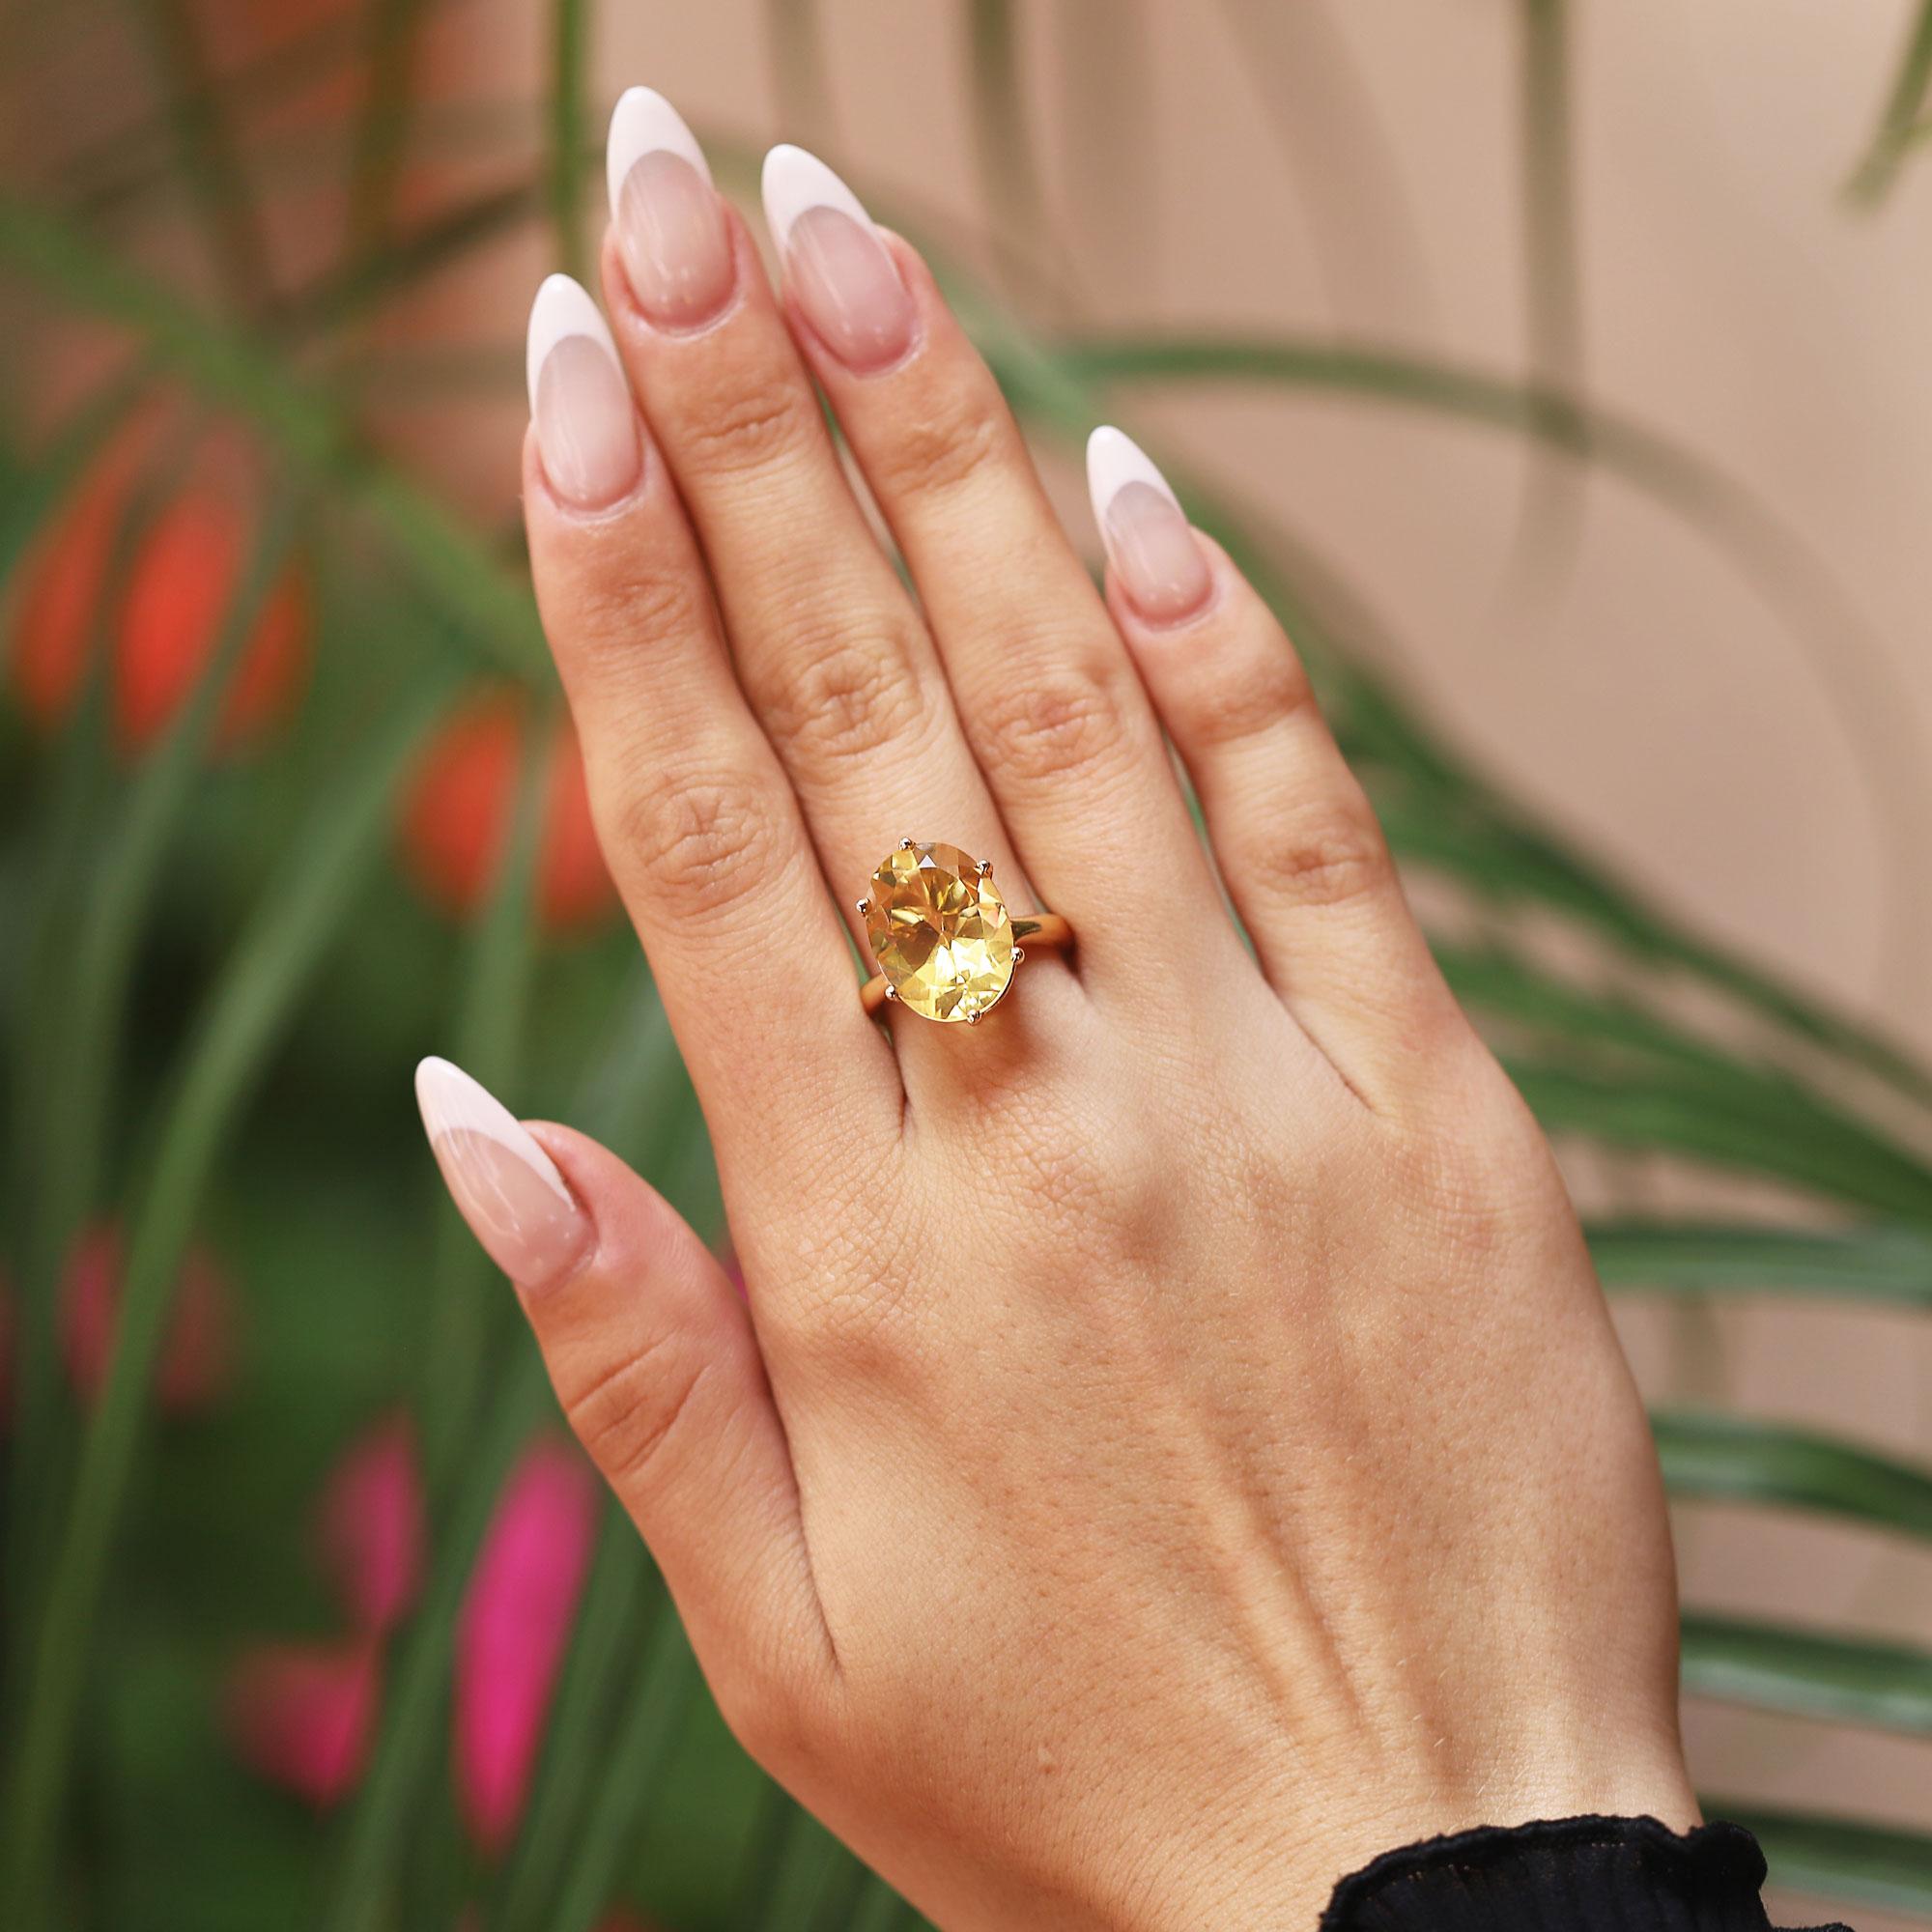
x=1114 y=460
x=794 y=182
x=452 y=1102
x=644 y=123
x=563 y=309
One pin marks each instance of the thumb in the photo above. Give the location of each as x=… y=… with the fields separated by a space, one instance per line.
x=651 y=1353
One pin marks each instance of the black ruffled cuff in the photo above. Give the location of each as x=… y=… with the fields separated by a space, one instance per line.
x=1567 y=1875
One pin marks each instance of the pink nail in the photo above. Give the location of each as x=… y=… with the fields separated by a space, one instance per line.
x=508 y=1188
x=847 y=283
x=669 y=222
x=586 y=427
x=1152 y=547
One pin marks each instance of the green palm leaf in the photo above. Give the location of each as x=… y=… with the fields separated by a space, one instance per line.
x=1714 y=1458
x=1807 y=1673
x=1875 y=1264
x=1833 y=1857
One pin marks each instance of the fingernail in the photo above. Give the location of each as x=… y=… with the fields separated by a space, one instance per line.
x=587 y=428
x=669 y=223
x=847 y=283
x=508 y=1188
x=1154 y=550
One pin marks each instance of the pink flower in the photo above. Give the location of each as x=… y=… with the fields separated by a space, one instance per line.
x=370 y=1526
x=197 y=1350
x=302 y=1715
x=514 y=1628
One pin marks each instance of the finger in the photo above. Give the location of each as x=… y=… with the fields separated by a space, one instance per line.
x=650 y=1351
x=700 y=828
x=1296 y=838
x=830 y=650
x=1052 y=708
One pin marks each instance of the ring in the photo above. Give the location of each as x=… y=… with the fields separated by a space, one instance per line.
x=943 y=942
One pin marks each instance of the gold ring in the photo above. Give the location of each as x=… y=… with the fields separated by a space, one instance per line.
x=941 y=936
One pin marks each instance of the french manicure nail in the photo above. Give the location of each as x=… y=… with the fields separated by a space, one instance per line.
x=847 y=283
x=586 y=429
x=668 y=221
x=505 y=1184
x=1154 y=550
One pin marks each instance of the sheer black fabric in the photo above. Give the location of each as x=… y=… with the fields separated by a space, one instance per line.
x=1566 y=1875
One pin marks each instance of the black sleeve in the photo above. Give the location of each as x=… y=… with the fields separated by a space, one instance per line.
x=1569 y=1875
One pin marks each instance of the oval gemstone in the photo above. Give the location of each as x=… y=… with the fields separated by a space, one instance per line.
x=940 y=932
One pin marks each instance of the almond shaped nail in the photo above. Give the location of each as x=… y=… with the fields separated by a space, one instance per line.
x=586 y=426
x=666 y=214
x=845 y=280
x=1155 y=555
x=502 y=1181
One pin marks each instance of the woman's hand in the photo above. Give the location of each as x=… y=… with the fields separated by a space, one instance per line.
x=1175 y=1448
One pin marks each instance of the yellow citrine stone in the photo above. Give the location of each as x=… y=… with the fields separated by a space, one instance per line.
x=939 y=931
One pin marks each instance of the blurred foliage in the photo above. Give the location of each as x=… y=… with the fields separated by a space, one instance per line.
x=220 y=959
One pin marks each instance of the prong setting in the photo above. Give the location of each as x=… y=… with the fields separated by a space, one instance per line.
x=985 y=868
x=1019 y=955
x=906 y=844
x=864 y=906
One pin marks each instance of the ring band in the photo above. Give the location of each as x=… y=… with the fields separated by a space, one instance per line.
x=943 y=942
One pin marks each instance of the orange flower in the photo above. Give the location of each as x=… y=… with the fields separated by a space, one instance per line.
x=182 y=573
x=456 y=817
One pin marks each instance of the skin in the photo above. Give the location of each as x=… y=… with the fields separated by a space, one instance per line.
x=1172 y=1446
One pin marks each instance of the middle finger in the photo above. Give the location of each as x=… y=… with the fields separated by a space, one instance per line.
x=831 y=651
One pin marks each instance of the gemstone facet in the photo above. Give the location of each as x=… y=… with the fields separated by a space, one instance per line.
x=940 y=932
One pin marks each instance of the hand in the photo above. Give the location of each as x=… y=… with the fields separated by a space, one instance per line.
x=1175 y=1448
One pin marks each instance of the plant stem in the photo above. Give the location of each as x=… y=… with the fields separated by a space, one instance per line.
x=463 y=1308
x=1011 y=178
x=1898 y=125
x=244 y=1014
x=381 y=133
x=216 y=176
x=795 y=51
x=570 y=50
x=83 y=936
x=387 y=1805
x=614 y=1599
x=638 y=1754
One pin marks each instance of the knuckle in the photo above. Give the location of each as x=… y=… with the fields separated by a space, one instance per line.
x=1479 y=1195
x=1326 y=861
x=844 y=694
x=625 y=1415
x=746 y=424
x=702 y=842
x=1054 y=726
x=1245 y=701
x=642 y=607
x=847 y=1314
x=945 y=447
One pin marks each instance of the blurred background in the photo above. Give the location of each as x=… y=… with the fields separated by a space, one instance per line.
x=1558 y=372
